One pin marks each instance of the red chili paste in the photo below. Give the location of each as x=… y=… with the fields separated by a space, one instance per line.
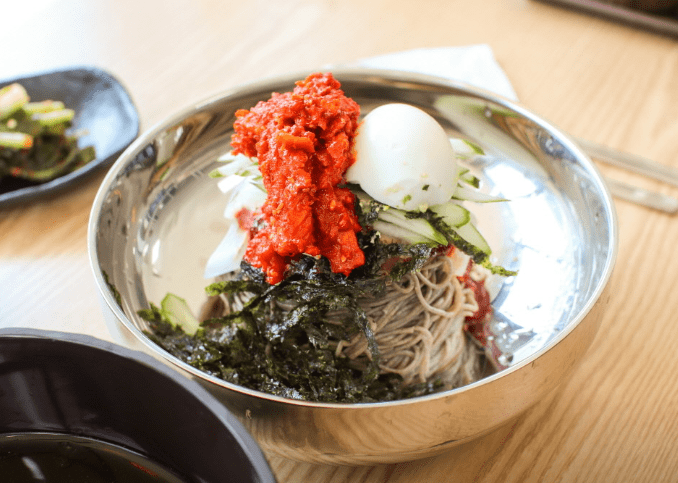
x=476 y=323
x=303 y=141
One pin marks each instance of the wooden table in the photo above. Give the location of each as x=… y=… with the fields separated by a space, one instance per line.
x=617 y=418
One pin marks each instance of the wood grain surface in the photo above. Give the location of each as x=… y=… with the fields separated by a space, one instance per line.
x=616 y=419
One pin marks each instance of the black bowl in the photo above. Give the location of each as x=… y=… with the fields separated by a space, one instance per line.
x=103 y=109
x=67 y=384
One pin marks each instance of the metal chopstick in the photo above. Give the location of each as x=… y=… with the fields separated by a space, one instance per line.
x=631 y=162
x=641 y=196
x=640 y=165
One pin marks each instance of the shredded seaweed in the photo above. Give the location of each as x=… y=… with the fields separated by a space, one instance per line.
x=291 y=353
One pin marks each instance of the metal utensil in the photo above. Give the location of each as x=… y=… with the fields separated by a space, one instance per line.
x=640 y=165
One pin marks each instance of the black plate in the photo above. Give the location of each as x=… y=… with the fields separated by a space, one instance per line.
x=103 y=108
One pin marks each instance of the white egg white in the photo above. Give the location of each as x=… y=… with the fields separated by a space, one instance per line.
x=404 y=158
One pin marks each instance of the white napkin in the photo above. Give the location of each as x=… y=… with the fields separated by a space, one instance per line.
x=473 y=64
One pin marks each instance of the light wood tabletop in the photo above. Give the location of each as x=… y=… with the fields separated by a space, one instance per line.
x=616 y=419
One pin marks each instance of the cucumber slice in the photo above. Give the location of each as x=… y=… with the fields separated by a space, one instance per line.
x=470 y=179
x=176 y=311
x=471 y=235
x=416 y=225
x=12 y=97
x=464 y=174
x=452 y=214
x=395 y=231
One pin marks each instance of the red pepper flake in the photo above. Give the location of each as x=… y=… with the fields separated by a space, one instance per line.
x=303 y=140
x=245 y=219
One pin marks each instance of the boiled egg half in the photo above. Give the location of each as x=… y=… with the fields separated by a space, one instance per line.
x=404 y=158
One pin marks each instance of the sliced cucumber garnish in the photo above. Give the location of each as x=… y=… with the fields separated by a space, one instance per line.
x=452 y=214
x=176 y=311
x=417 y=226
x=395 y=231
x=471 y=235
x=470 y=179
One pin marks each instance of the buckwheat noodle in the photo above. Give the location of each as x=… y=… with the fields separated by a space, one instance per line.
x=418 y=325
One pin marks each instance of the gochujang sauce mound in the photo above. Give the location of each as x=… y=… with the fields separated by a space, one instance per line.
x=303 y=140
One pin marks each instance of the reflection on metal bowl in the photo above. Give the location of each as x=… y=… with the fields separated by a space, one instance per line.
x=157 y=218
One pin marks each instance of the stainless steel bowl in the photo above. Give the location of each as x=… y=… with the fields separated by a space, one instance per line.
x=157 y=217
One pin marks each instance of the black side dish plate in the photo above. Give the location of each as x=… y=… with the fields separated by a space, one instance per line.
x=103 y=109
